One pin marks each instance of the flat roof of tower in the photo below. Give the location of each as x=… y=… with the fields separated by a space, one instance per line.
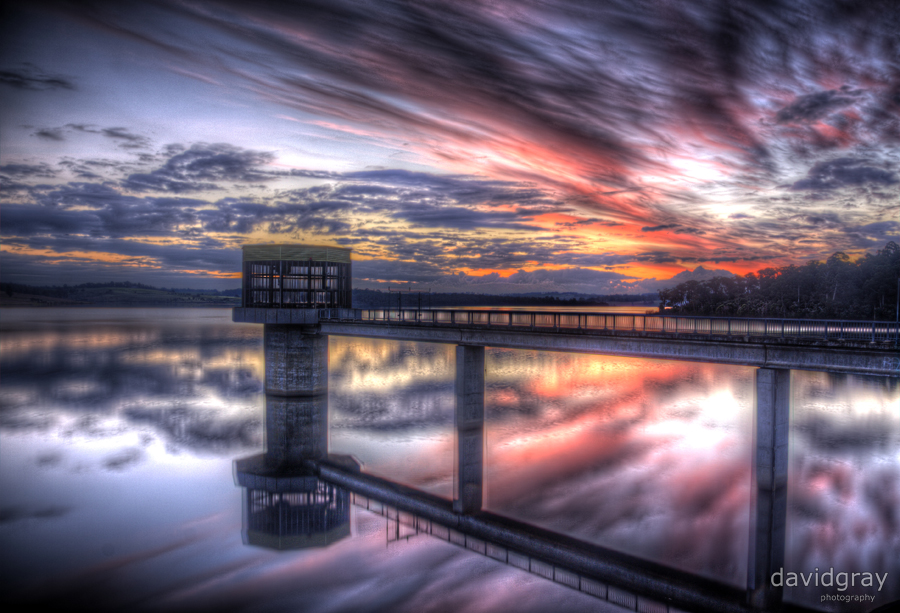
x=295 y=251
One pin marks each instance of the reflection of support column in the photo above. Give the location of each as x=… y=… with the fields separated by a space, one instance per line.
x=296 y=360
x=768 y=516
x=296 y=429
x=469 y=419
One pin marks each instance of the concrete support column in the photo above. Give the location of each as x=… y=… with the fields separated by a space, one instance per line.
x=469 y=419
x=768 y=511
x=296 y=394
x=296 y=360
x=296 y=429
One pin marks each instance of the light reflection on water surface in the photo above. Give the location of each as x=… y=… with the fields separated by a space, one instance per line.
x=119 y=426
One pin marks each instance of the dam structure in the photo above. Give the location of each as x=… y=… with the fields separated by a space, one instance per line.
x=302 y=295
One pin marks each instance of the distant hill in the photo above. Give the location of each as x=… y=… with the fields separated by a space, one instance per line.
x=698 y=274
x=113 y=295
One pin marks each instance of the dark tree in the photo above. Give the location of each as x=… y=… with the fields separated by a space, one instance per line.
x=838 y=288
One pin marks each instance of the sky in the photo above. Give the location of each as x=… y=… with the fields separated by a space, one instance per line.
x=478 y=146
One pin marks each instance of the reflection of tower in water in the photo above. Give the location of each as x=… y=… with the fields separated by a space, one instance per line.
x=286 y=506
x=287 y=509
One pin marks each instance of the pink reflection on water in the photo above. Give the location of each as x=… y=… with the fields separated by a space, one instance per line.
x=844 y=490
x=651 y=458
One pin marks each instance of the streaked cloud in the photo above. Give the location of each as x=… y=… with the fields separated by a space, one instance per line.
x=29 y=78
x=490 y=138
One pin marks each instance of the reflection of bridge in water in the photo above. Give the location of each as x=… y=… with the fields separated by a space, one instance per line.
x=296 y=356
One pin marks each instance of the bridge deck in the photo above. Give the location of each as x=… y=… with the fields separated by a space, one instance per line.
x=855 y=347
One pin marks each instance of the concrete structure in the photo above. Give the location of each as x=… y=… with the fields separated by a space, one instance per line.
x=469 y=421
x=852 y=358
x=296 y=351
x=769 y=481
x=855 y=354
x=296 y=276
x=289 y=507
x=285 y=505
x=296 y=360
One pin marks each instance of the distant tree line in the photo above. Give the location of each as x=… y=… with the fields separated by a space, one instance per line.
x=836 y=288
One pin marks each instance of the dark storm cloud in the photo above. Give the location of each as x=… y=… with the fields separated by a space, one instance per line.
x=122 y=134
x=26 y=171
x=844 y=172
x=659 y=257
x=464 y=190
x=812 y=107
x=126 y=138
x=198 y=168
x=424 y=200
x=595 y=259
x=462 y=218
x=578 y=101
x=388 y=208
x=581 y=78
x=587 y=222
x=26 y=220
x=183 y=266
x=419 y=199
x=410 y=272
x=50 y=134
x=30 y=78
x=873 y=235
x=384 y=273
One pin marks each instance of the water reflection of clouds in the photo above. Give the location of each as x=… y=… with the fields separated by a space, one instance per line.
x=648 y=457
x=845 y=472
x=651 y=458
x=196 y=381
x=391 y=405
x=118 y=491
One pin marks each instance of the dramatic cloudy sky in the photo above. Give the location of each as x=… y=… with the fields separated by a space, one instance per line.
x=467 y=145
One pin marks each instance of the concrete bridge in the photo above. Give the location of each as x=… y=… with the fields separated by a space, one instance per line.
x=852 y=347
x=296 y=356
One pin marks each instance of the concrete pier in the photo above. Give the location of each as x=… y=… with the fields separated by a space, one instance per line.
x=469 y=419
x=768 y=511
x=296 y=394
x=285 y=505
x=296 y=360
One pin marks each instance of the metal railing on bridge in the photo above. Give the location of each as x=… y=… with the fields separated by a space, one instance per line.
x=678 y=325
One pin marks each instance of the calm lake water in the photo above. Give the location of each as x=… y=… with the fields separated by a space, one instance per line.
x=118 y=428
